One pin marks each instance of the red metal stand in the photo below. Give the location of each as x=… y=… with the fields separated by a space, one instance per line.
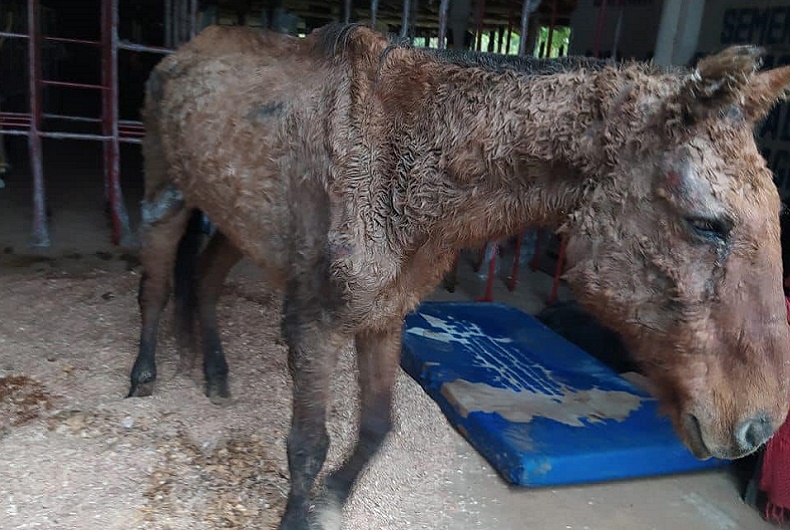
x=112 y=171
x=513 y=280
x=180 y=24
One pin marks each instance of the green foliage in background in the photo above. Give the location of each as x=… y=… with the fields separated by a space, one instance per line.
x=560 y=40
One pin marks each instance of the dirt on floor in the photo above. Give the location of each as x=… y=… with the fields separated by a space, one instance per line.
x=76 y=454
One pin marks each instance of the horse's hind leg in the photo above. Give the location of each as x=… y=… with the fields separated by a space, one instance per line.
x=378 y=357
x=314 y=342
x=216 y=262
x=184 y=290
x=165 y=219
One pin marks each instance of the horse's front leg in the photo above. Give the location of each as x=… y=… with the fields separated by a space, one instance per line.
x=378 y=357
x=314 y=342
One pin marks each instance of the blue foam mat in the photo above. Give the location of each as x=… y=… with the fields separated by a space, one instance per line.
x=538 y=408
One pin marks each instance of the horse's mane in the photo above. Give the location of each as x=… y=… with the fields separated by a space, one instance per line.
x=497 y=62
x=334 y=39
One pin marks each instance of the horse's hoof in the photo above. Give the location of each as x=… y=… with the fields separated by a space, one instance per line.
x=218 y=392
x=328 y=514
x=141 y=389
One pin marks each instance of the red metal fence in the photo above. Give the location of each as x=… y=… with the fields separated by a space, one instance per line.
x=181 y=20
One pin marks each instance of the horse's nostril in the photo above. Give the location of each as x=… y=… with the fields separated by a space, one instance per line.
x=753 y=432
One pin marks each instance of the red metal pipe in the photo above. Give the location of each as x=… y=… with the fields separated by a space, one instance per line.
x=599 y=30
x=16 y=123
x=40 y=228
x=73 y=85
x=25 y=118
x=21 y=118
x=58 y=135
x=120 y=219
x=73 y=41
x=125 y=45
x=104 y=102
x=71 y=118
x=13 y=35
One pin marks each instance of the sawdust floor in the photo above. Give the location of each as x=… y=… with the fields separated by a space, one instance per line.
x=74 y=454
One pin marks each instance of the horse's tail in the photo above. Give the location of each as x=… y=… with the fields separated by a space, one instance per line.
x=185 y=278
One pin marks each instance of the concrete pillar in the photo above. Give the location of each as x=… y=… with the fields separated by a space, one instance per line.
x=678 y=31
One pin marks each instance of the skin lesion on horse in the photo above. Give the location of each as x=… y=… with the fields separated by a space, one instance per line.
x=373 y=169
x=266 y=111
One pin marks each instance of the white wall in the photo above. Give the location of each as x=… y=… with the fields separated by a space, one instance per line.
x=678 y=32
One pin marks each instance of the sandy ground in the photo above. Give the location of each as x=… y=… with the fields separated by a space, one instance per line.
x=76 y=455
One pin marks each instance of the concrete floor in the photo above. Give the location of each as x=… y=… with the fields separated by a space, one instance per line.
x=705 y=501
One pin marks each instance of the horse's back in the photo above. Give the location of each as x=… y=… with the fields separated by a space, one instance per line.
x=222 y=99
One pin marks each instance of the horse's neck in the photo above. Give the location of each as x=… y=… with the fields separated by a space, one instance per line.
x=520 y=152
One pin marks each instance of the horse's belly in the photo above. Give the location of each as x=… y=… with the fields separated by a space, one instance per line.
x=246 y=205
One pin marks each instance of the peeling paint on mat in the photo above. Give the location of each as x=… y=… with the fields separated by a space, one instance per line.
x=570 y=407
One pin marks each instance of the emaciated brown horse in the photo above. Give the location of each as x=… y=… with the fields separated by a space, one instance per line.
x=351 y=170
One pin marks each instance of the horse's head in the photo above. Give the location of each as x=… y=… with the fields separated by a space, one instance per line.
x=677 y=248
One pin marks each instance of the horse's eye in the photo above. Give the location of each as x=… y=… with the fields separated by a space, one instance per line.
x=710 y=227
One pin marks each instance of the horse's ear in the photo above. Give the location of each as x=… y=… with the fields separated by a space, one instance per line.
x=717 y=82
x=765 y=90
